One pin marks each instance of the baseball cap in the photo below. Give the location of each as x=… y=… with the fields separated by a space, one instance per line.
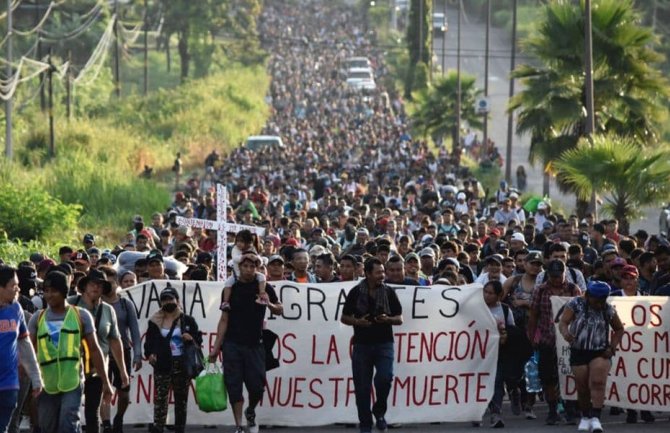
x=598 y=289
x=519 y=237
x=427 y=252
x=154 y=255
x=275 y=258
x=110 y=256
x=412 y=256
x=88 y=237
x=27 y=277
x=534 y=256
x=138 y=219
x=556 y=268
x=93 y=250
x=36 y=257
x=460 y=196
x=630 y=271
x=495 y=232
x=513 y=195
x=548 y=225
x=96 y=276
x=363 y=231
x=542 y=205
x=45 y=264
x=81 y=257
x=169 y=292
x=493 y=259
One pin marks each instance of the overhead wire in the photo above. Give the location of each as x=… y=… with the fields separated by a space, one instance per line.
x=39 y=25
x=53 y=37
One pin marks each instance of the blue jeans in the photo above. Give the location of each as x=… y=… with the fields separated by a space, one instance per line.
x=59 y=413
x=8 y=399
x=366 y=359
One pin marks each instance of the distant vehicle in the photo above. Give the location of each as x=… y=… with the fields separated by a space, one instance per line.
x=402 y=5
x=261 y=142
x=439 y=22
x=357 y=62
x=361 y=79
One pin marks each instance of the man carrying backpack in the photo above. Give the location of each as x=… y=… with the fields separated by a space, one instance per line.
x=61 y=364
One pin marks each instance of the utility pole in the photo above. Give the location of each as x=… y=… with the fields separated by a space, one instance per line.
x=456 y=147
x=146 y=47
x=444 y=40
x=43 y=101
x=421 y=23
x=486 y=68
x=8 y=104
x=68 y=87
x=52 y=140
x=588 y=66
x=510 y=117
x=117 y=68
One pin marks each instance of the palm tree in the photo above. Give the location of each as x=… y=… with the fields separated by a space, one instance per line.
x=614 y=166
x=436 y=107
x=629 y=90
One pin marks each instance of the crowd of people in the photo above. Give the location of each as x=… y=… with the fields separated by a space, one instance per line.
x=351 y=196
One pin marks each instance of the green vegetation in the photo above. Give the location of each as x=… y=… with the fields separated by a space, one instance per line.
x=630 y=92
x=207 y=88
x=436 y=113
x=419 y=35
x=614 y=166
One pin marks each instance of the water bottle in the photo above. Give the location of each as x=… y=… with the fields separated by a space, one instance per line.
x=533 y=383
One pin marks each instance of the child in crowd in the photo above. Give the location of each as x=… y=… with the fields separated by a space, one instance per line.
x=244 y=242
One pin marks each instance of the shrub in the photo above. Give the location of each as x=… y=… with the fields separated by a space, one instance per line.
x=29 y=213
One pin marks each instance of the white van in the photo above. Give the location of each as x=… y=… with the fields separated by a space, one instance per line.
x=260 y=142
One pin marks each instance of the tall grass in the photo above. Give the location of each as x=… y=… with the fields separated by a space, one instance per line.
x=100 y=156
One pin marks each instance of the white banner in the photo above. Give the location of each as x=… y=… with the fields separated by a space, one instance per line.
x=640 y=374
x=445 y=363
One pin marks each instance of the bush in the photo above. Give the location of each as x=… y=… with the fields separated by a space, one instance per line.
x=29 y=213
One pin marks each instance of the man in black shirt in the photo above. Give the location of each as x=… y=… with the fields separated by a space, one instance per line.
x=372 y=308
x=241 y=332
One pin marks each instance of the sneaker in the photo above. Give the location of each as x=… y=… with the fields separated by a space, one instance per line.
x=647 y=416
x=476 y=424
x=250 y=415
x=239 y=429
x=107 y=428
x=570 y=418
x=530 y=414
x=552 y=419
x=382 y=425
x=631 y=416
x=584 y=424
x=596 y=427
x=497 y=421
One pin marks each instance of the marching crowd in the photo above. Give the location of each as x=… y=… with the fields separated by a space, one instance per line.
x=351 y=196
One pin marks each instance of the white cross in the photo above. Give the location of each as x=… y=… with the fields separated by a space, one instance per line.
x=222 y=227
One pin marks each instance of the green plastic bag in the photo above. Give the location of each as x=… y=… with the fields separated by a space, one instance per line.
x=210 y=391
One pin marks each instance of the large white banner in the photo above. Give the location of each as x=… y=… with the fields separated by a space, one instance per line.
x=445 y=362
x=640 y=374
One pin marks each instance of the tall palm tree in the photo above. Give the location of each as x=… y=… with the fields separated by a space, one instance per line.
x=615 y=167
x=436 y=112
x=630 y=92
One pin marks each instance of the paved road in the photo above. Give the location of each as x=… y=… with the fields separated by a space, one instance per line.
x=515 y=423
x=473 y=38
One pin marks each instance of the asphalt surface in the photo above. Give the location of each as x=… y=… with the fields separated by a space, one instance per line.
x=473 y=40
x=515 y=423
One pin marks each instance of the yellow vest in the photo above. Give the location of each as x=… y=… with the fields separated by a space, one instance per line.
x=60 y=365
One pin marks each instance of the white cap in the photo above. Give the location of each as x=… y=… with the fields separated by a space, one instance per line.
x=513 y=195
x=542 y=205
x=518 y=237
x=460 y=196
